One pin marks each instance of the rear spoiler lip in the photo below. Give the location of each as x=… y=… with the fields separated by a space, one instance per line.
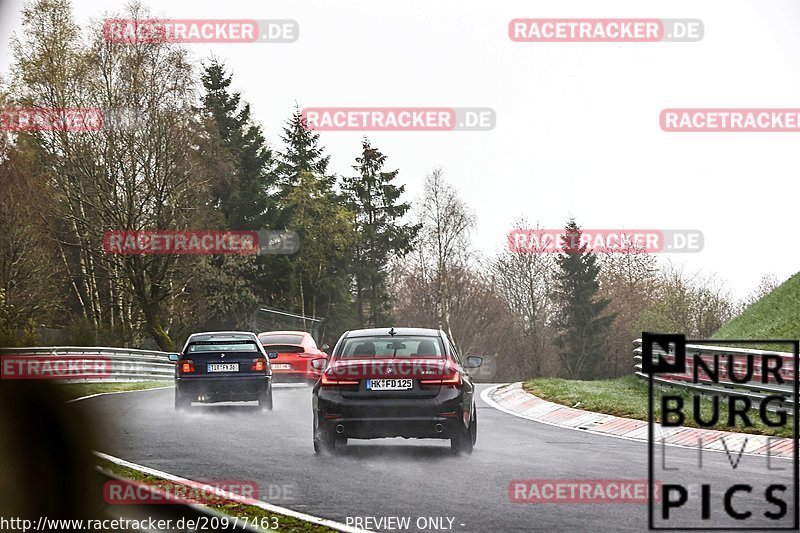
x=283 y=344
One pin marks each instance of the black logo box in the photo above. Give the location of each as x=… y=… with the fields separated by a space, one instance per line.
x=678 y=365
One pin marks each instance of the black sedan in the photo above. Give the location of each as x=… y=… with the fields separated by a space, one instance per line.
x=404 y=382
x=222 y=366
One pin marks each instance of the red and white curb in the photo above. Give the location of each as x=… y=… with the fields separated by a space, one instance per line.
x=514 y=400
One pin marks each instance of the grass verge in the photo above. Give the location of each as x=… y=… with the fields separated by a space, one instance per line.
x=627 y=397
x=78 y=390
x=232 y=509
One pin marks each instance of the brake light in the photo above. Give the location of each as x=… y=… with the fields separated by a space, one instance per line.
x=259 y=365
x=328 y=381
x=452 y=379
x=187 y=366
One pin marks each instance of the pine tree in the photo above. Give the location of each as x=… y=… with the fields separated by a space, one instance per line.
x=319 y=274
x=375 y=203
x=245 y=198
x=302 y=153
x=230 y=286
x=582 y=326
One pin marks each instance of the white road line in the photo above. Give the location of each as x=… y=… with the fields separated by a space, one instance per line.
x=235 y=497
x=249 y=501
x=117 y=392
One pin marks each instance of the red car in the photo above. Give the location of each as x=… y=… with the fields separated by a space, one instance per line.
x=296 y=350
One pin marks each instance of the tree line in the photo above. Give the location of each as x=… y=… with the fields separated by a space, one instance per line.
x=188 y=154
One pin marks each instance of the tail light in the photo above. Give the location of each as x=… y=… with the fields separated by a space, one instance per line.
x=187 y=366
x=452 y=378
x=259 y=365
x=327 y=380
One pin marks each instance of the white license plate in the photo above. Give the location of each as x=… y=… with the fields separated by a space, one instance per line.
x=223 y=367
x=389 y=384
x=282 y=366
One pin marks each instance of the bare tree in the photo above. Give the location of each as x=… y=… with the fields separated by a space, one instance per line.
x=27 y=277
x=628 y=278
x=767 y=284
x=140 y=175
x=525 y=279
x=443 y=244
x=695 y=305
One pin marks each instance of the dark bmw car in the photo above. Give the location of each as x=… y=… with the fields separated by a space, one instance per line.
x=222 y=366
x=403 y=382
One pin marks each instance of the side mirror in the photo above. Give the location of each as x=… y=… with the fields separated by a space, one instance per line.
x=174 y=357
x=272 y=355
x=473 y=361
x=319 y=364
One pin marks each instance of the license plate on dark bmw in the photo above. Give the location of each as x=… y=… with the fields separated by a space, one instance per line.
x=389 y=384
x=223 y=367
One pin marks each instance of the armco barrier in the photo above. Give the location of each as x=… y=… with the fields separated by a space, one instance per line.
x=126 y=364
x=738 y=358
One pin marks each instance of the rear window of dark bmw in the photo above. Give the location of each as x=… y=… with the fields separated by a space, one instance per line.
x=393 y=347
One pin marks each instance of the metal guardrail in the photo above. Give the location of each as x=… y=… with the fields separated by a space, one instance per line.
x=725 y=356
x=126 y=365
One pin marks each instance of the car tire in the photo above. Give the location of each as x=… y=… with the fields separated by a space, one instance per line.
x=182 y=401
x=474 y=427
x=462 y=440
x=324 y=442
x=265 y=400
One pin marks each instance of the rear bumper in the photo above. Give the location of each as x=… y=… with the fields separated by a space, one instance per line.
x=293 y=376
x=427 y=418
x=244 y=388
x=408 y=428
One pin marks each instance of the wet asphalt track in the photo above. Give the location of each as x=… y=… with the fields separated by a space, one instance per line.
x=397 y=477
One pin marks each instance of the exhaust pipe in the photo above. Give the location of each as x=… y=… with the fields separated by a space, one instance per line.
x=339 y=428
x=439 y=428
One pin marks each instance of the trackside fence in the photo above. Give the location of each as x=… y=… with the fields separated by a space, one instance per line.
x=123 y=364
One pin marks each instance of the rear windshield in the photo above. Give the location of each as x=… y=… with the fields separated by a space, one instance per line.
x=281 y=339
x=223 y=346
x=397 y=346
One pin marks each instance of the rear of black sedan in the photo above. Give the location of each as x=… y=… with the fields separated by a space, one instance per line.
x=391 y=382
x=222 y=367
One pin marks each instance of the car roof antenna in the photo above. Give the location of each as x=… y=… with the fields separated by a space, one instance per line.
x=392 y=332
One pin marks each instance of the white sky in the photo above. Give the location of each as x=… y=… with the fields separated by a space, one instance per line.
x=577 y=123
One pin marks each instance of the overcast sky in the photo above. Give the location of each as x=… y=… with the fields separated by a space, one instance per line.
x=577 y=123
